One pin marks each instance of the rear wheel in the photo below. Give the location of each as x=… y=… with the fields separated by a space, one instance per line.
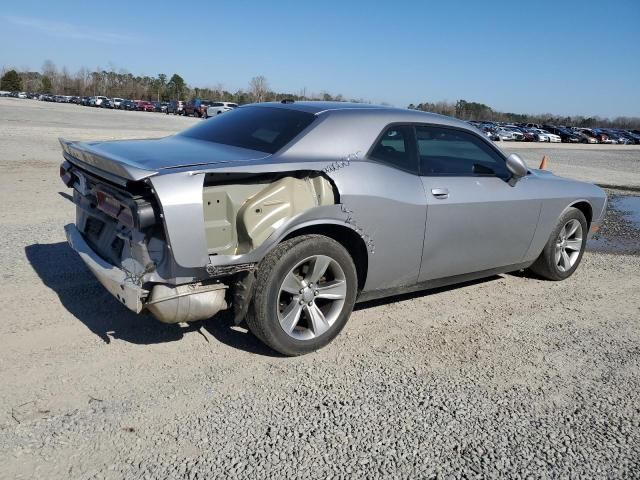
x=563 y=252
x=305 y=292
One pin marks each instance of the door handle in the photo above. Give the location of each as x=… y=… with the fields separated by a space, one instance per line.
x=440 y=193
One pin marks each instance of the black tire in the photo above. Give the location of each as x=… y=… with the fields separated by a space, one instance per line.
x=546 y=266
x=262 y=316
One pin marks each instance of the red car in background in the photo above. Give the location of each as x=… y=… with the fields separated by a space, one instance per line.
x=144 y=106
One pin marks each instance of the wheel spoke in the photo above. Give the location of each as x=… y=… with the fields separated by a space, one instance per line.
x=318 y=268
x=558 y=255
x=334 y=290
x=565 y=260
x=571 y=227
x=575 y=245
x=319 y=323
x=292 y=284
x=291 y=316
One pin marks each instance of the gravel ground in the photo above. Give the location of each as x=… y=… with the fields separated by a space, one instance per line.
x=510 y=377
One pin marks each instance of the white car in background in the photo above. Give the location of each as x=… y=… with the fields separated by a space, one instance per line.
x=97 y=100
x=216 y=108
x=544 y=136
x=507 y=135
x=117 y=102
x=22 y=95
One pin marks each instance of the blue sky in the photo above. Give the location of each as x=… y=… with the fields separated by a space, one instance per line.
x=564 y=57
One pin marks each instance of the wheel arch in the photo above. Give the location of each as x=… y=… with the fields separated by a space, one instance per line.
x=348 y=238
x=585 y=207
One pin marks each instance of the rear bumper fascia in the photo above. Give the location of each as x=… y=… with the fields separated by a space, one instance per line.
x=118 y=282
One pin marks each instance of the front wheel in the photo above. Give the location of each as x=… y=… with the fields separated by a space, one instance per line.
x=563 y=252
x=305 y=291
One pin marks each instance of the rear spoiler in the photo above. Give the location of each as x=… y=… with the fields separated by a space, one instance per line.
x=111 y=167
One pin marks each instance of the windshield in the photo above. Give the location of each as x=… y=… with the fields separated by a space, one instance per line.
x=264 y=129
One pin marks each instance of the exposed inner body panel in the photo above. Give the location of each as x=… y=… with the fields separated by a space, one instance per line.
x=239 y=217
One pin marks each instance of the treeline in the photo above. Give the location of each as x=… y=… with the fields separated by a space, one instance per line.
x=479 y=111
x=123 y=84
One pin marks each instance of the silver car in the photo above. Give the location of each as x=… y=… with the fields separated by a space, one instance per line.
x=290 y=213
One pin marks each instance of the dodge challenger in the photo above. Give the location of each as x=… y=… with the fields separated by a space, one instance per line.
x=289 y=213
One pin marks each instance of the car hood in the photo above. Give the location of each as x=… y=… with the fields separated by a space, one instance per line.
x=139 y=159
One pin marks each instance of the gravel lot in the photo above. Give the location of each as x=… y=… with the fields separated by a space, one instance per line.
x=510 y=377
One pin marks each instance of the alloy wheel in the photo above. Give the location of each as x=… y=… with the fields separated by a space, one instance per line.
x=568 y=245
x=311 y=297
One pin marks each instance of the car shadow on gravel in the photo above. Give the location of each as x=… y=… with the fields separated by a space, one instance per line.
x=60 y=269
x=422 y=293
x=224 y=330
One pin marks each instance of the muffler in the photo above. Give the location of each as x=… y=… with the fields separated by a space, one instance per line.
x=186 y=303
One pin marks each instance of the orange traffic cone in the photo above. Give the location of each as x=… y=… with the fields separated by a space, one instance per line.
x=543 y=163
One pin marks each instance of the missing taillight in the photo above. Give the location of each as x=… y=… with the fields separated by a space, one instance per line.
x=114 y=208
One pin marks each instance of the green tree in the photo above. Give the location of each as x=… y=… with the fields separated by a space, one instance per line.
x=11 y=81
x=176 y=86
x=45 y=84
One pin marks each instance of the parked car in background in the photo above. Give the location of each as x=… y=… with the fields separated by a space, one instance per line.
x=216 y=108
x=117 y=101
x=633 y=140
x=584 y=138
x=634 y=135
x=490 y=133
x=566 y=136
x=600 y=137
x=160 y=107
x=600 y=133
x=97 y=100
x=127 y=105
x=175 y=107
x=22 y=95
x=106 y=103
x=197 y=107
x=544 y=136
x=508 y=135
x=144 y=106
x=617 y=137
x=192 y=108
x=527 y=134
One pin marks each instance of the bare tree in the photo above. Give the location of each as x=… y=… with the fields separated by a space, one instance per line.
x=258 y=88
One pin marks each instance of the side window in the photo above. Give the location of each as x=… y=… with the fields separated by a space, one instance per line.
x=396 y=148
x=450 y=152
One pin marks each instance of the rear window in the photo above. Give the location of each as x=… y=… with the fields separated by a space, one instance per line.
x=257 y=128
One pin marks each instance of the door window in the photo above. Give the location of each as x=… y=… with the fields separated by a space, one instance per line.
x=451 y=152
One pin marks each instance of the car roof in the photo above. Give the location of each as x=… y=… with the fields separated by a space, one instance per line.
x=319 y=107
x=386 y=113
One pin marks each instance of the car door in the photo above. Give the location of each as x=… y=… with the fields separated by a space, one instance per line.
x=476 y=219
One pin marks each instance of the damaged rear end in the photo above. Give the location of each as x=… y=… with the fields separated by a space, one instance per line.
x=177 y=240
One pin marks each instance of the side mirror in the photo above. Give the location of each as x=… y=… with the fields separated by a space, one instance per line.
x=517 y=167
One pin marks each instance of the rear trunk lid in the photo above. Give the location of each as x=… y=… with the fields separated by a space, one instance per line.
x=136 y=160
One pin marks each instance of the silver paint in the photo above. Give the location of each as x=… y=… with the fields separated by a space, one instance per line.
x=412 y=235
